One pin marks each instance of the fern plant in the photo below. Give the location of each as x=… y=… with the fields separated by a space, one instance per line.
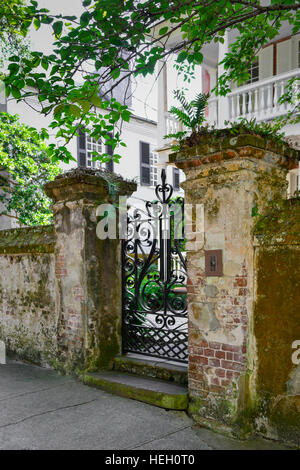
x=190 y=114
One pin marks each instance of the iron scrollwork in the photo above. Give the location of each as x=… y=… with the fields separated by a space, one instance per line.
x=154 y=278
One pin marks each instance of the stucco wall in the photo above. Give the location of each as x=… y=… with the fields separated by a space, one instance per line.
x=27 y=293
x=277 y=322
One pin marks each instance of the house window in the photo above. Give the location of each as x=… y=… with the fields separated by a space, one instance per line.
x=153 y=167
x=87 y=145
x=92 y=146
x=148 y=165
x=253 y=71
x=176 y=179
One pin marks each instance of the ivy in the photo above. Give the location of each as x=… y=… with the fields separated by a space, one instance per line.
x=24 y=168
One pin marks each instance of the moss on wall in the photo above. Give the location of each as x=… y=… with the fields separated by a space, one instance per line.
x=220 y=144
x=27 y=306
x=276 y=326
x=280 y=223
x=27 y=240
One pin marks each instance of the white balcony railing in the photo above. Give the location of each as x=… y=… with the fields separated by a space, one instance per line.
x=172 y=125
x=211 y=113
x=260 y=99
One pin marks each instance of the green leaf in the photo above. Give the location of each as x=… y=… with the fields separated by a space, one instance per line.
x=54 y=69
x=96 y=101
x=198 y=57
x=58 y=110
x=115 y=73
x=75 y=110
x=126 y=115
x=45 y=63
x=37 y=23
x=57 y=28
x=85 y=105
x=15 y=92
x=84 y=19
x=163 y=30
x=182 y=56
x=13 y=68
x=14 y=58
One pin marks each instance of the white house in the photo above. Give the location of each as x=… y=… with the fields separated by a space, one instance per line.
x=139 y=159
x=274 y=66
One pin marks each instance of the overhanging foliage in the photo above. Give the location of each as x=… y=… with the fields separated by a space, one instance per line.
x=114 y=41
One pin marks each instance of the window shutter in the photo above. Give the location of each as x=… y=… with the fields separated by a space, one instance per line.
x=265 y=62
x=81 y=149
x=283 y=56
x=110 y=164
x=176 y=178
x=145 y=163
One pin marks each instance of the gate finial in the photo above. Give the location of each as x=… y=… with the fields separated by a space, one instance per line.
x=164 y=190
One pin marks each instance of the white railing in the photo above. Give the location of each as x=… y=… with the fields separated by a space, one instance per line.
x=172 y=125
x=260 y=99
x=211 y=113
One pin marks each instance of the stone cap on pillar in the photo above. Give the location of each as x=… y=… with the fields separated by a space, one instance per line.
x=220 y=145
x=88 y=184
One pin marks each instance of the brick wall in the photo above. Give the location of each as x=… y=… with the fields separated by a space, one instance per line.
x=228 y=176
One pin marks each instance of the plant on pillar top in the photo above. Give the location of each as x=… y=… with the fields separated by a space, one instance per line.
x=190 y=115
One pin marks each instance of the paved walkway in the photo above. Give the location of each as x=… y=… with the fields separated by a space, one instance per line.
x=40 y=409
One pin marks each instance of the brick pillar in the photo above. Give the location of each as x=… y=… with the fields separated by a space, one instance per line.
x=88 y=270
x=234 y=178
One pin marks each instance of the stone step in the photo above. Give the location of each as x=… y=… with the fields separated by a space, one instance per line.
x=156 y=392
x=154 y=368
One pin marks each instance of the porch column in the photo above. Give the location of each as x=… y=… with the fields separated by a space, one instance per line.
x=162 y=102
x=88 y=270
x=223 y=102
x=233 y=178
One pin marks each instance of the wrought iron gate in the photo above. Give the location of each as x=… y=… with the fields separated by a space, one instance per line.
x=154 y=278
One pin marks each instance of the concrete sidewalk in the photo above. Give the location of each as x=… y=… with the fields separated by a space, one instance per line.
x=40 y=409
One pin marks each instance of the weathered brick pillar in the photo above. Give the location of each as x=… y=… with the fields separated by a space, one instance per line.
x=234 y=178
x=88 y=270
